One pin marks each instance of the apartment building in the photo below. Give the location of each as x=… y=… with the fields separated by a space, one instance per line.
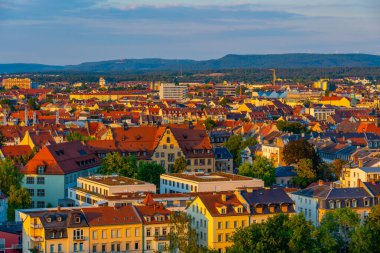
x=21 y=83
x=170 y=91
x=205 y=182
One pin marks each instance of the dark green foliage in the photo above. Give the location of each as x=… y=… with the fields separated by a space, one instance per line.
x=150 y=172
x=291 y=127
x=209 y=124
x=261 y=168
x=114 y=163
x=180 y=165
x=236 y=144
x=75 y=136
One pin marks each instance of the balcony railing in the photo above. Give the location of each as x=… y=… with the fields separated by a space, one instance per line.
x=37 y=238
x=79 y=238
x=32 y=225
x=161 y=238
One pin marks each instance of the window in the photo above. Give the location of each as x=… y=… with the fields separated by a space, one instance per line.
x=167 y=139
x=41 y=192
x=164 y=146
x=338 y=205
x=103 y=248
x=354 y=203
x=227 y=237
x=348 y=203
x=219 y=238
x=30 y=180
x=95 y=234
x=78 y=234
x=163 y=231
x=75 y=247
x=226 y=224
x=51 y=248
x=136 y=245
x=148 y=245
x=136 y=232
x=104 y=234
x=40 y=180
x=127 y=233
x=156 y=231
x=41 y=170
x=81 y=246
x=94 y=248
x=127 y=246
x=170 y=157
x=77 y=219
x=235 y=224
x=148 y=232
x=331 y=204
x=115 y=233
x=31 y=192
x=157 y=155
x=219 y=225
x=40 y=204
x=59 y=248
x=366 y=202
x=242 y=223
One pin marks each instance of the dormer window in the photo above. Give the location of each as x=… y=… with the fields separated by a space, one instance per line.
x=366 y=202
x=354 y=203
x=41 y=169
x=147 y=218
x=223 y=210
x=338 y=205
x=348 y=204
x=331 y=204
x=48 y=219
x=59 y=218
x=77 y=219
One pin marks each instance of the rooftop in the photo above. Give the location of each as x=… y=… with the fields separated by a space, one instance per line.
x=113 y=180
x=209 y=177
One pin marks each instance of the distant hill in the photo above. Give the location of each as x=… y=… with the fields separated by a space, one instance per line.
x=230 y=61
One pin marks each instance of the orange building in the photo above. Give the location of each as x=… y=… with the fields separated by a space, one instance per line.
x=21 y=83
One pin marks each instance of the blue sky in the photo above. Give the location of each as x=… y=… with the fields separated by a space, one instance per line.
x=75 y=31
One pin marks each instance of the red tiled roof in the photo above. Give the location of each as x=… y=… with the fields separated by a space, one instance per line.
x=61 y=159
x=102 y=216
x=18 y=150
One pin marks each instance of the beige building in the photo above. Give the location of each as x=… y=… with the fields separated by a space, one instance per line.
x=21 y=83
x=94 y=189
x=170 y=91
x=351 y=176
x=205 y=182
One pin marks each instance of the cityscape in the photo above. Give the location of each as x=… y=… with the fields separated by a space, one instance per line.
x=189 y=126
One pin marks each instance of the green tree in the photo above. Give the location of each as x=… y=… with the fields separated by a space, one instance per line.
x=33 y=103
x=366 y=237
x=305 y=173
x=150 y=172
x=336 y=167
x=236 y=145
x=224 y=101
x=182 y=237
x=18 y=198
x=294 y=151
x=9 y=176
x=75 y=136
x=115 y=163
x=337 y=228
x=261 y=168
x=180 y=165
x=292 y=127
x=209 y=124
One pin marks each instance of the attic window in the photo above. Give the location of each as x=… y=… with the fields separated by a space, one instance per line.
x=147 y=218
x=77 y=219
x=60 y=152
x=41 y=169
x=48 y=219
x=82 y=152
x=59 y=218
x=223 y=210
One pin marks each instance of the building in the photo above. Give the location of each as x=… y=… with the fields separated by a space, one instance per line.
x=55 y=231
x=94 y=189
x=3 y=207
x=215 y=217
x=224 y=161
x=319 y=198
x=54 y=169
x=114 y=229
x=335 y=101
x=351 y=177
x=102 y=82
x=265 y=203
x=21 y=83
x=170 y=91
x=10 y=238
x=205 y=182
x=320 y=113
x=284 y=175
x=223 y=90
x=155 y=226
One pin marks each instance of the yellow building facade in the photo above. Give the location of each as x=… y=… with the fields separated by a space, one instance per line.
x=21 y=83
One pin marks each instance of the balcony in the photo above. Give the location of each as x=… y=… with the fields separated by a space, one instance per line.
x=37 y=238
x=79 y=238
x=35 y=225
x=161 y=238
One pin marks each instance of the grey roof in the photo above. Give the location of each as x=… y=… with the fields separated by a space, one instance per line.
x=267 y=196
x=222 y=153
x=374 y=187
x=370 y=169
x=285 y=171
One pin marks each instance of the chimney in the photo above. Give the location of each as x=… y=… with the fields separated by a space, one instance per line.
x=58 y=208
x=373 y=181
x=224 y=197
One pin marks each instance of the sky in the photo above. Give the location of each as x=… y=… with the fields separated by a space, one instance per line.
x=73 y=31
